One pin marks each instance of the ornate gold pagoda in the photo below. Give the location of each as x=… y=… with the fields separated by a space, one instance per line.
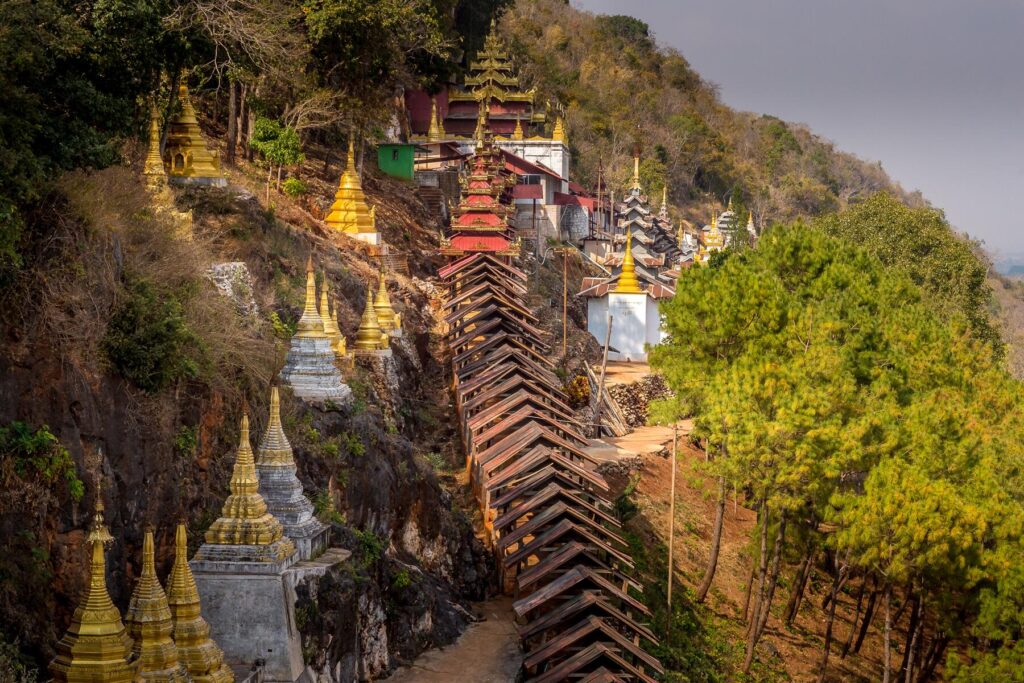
x=434 y=131
x=96 y=646
x=150 y=625
x=330 y=323
x=310 y=324
x=350 y=213
x=558 y=134
x=628 y=283
x=186 y=157
x=153 y=170
x=369 y=337
x=382 y=306
x=244 y=519
x=196 y=650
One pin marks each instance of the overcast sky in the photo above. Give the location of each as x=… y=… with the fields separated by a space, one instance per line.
x=934 y=89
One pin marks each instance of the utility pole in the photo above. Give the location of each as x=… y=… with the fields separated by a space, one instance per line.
x=564 y=251
x=671 y=526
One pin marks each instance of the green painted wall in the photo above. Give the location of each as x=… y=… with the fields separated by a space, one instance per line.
x=396 y=160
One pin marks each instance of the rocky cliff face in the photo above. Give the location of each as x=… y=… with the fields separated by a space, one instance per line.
x=375 y=468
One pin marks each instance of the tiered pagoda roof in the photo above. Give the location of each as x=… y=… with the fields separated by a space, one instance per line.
x=481 y=221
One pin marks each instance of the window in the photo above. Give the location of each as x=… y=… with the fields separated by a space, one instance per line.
x=529 y=179
x=394 y=155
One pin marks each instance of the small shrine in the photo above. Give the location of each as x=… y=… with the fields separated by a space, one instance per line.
x=96 y=646
x=371 y=340
x=350 y=214
x=186 y=157
x=310 y=368
x=151 y=626
x=711 y=240
x=201 y=656
x=388 y=319
x=281 y=489
x=240 y=570
x=631 y=300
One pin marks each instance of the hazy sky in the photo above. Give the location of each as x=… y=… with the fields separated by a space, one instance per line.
x=934 y=89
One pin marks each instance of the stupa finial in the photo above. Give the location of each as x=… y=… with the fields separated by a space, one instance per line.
x=382 y=305
x=310 y=324
x=628 y=284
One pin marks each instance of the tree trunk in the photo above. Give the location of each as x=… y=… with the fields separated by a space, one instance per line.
x=840 y=576
x=716 y=542
x=278 y=185
x=762 y=568
x=856 y=616
x=869 y=613
x=887 y=646
x=765 y=608
x=243 y=120
x=828 y=596
x=912 y=628
x=750 y=584
x=270 y=176
x=232 y=121
x=932 y=659
x=799 y=586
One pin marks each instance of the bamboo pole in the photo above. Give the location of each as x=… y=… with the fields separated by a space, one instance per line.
x=671 y=525
x=600 y=384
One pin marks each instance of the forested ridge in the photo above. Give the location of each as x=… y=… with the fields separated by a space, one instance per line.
x=846 y=377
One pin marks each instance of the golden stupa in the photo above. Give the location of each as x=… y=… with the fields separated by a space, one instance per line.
x=153 y=170
x=350 y=213
x=558 y=134
x=244 y=519
x=368 y=338
x=186 y=156
x=330 y=324
x=628 y=284
x=434 y=131
x=149 y=624
x=636 y=172
x=196 y=650
x=310 y=324
x=382 y=306
x=517 y=134
x=96 y=647
x=340 y=345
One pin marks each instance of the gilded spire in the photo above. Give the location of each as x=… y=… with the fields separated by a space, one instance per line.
x=729 y=207
x=153 y=169
x=244 y=519
x=517 y=134
x=96 y=646
x=434 y=131
x=330 y=326
x=558 y=134
x=340 y=343
x=636 y=171
x=350 y=213
x=628 y=284
x=186 y=155
x=382 y=306
x=196 y=650
x=750 y=222
x=368 y=336
x=310 y=324
x=275 y=449
x=150 y=626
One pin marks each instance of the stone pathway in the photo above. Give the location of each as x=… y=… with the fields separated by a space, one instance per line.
x=488 y=652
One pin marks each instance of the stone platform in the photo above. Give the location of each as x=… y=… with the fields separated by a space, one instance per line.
x=310 y=371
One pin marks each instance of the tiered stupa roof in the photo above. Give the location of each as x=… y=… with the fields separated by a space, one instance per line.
x=153 y=169
x=382 y=306
x=150 y=625
x=96 y=646
x=196 y=650
x=187 y=158
x=309 y=368
x=281 y=488
x=245 y=531
x=350 y=213
x=370 y=337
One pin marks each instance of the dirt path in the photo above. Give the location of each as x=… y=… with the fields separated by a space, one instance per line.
x=488 y=652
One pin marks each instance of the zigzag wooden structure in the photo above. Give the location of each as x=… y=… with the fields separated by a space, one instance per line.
x=545 y=508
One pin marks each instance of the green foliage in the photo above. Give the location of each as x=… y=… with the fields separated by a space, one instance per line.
x=625 y=507
x=293 y=187
x=279 y=145
x=402 y=579
x=438 y=461
x=13 y=666
x=578 y=391
x=354 y=446
x=38 y=455
x=921 y=244
x=283 y=330
x=370 y=546
x=323 y=507
x=186 y=441
x=148 y=340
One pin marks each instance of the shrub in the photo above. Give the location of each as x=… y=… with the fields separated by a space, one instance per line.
x=578 y=391
x=186 y=441
x=38 y=455
x=148 y=341
x=293 y=187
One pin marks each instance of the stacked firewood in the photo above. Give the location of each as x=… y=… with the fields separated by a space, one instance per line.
x=634 y=399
